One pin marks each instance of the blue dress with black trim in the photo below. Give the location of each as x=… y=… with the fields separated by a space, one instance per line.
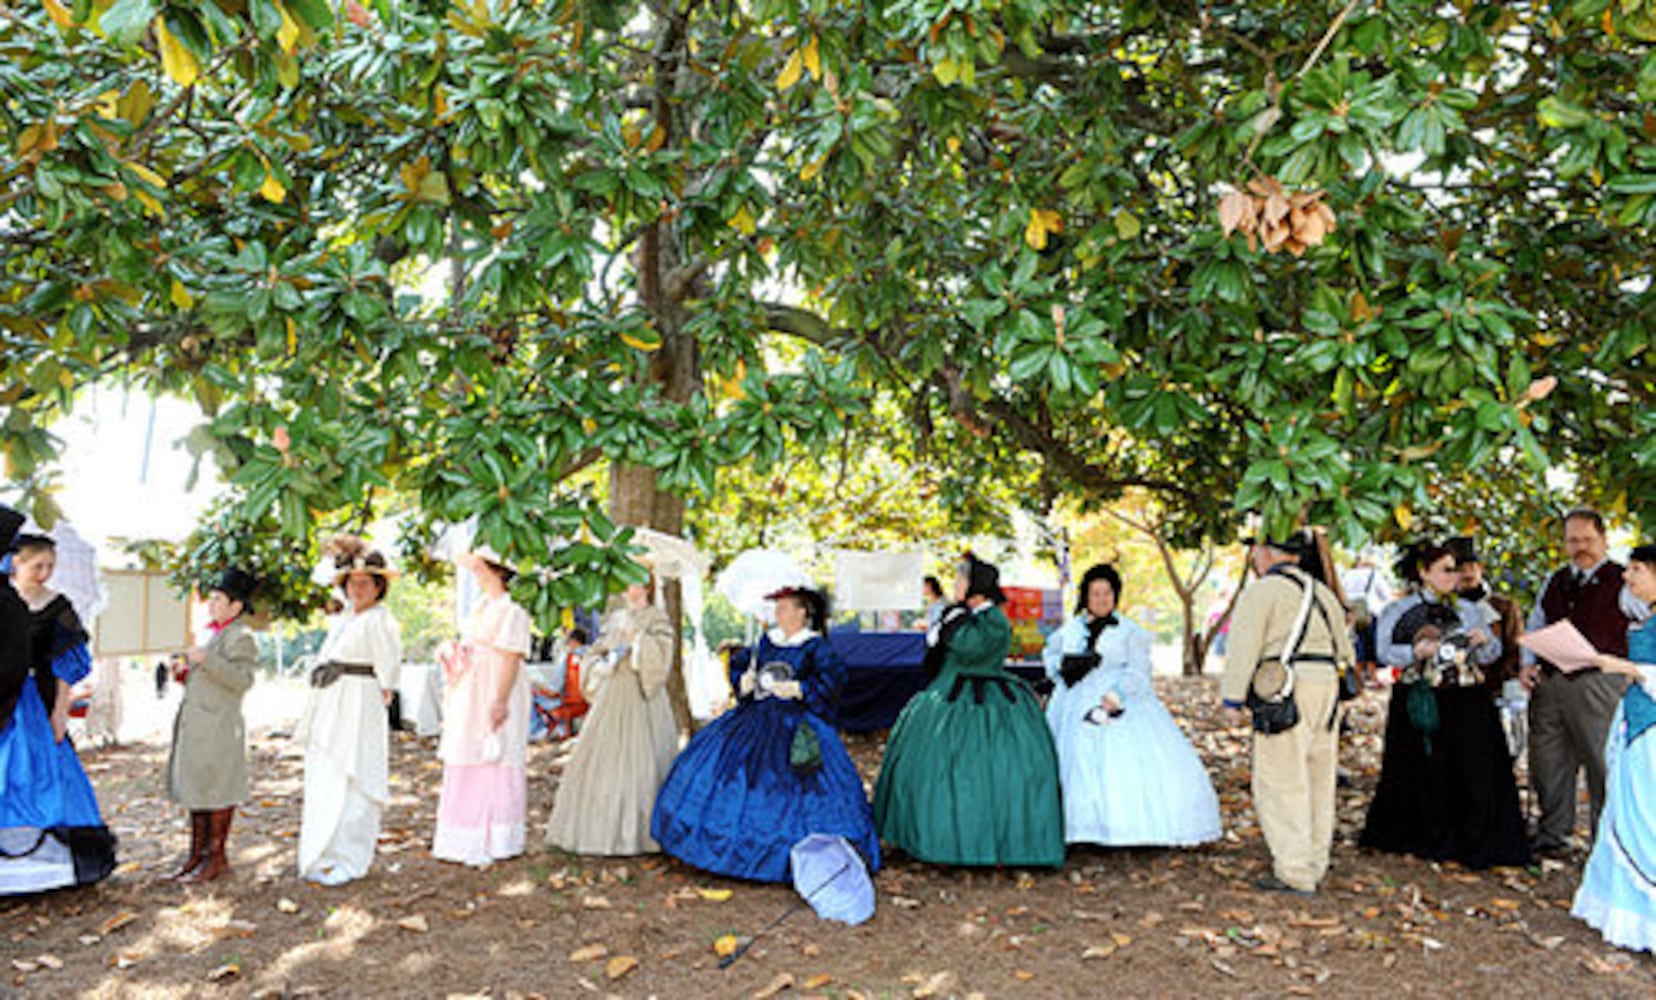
x=1618 y=885
x=735 y=804
x=51 y=833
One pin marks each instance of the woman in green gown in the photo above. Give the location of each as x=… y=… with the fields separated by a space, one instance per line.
x=970 y=775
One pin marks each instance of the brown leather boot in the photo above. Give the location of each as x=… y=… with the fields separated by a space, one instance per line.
x=198 y=846
x=218 y=830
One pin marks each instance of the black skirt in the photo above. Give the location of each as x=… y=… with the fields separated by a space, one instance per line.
x=1452 y=796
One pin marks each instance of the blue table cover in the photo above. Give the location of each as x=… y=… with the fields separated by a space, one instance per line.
x=887 y=669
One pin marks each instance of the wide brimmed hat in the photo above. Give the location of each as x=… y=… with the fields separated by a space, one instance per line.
x=11 y=522
x=238 y=585
x=982 y=579
x=483 y=553
x=353 y=555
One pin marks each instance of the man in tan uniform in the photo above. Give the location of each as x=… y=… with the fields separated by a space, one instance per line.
x=1294 y=771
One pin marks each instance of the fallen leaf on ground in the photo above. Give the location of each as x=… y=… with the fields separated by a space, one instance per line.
x=619 y=966
x=588 y=953
x=1022 y=975
x=725 y=946
x=782 y=981
x=715 y=895
x=116 y=922
x=1608 y=965
x=24 y=965
x=594 y=903
x=1099 y=951
x=937 y=985
x=229 y=970
x=285 y=905
x=416 y=923
x=50 y=961
x=818 y=981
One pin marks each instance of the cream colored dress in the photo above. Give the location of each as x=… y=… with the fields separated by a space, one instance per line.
x=346 y=737
x=627 y=743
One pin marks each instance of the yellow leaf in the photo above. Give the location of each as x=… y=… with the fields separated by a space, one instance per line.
x=715 y=895
x=1042 y=223
x=953 y=142
x=287 y=70
x=136 y=103
x=619 y=966
x=947 y=71
x=811 y=170
x=292 y=335
x=288 y=34
x=60 y=14
x=813 y=57
x=1404 y=517
x=726 y=946
x=150 y=202
x=744 y=222
x=272 y=189
x=179 y=62
x=638 y=343
x=148 y=175
x=791 y=71
x=180 y=295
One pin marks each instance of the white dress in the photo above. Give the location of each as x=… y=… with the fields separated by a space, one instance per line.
x=345 y=734
x=1131 y=779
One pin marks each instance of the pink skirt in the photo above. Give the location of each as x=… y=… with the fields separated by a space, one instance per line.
x=481 y=813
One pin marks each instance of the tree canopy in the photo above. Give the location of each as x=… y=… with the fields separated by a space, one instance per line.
x=529 y=261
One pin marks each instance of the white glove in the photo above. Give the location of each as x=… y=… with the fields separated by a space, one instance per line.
x=786 y=689
x=749 y=680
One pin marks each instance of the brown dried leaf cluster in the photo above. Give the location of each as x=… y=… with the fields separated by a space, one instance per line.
x=1268 y=216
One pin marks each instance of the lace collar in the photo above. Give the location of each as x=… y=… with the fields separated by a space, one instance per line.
x=780 y=639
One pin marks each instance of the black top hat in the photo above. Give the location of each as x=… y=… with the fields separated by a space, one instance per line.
x=982 y=579
x=238 y=585
x=1295 y=543
x=1463 y=549
x=11 y=522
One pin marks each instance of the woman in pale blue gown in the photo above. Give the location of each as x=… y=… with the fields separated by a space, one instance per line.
x=1129 y=776
x=1618 y=887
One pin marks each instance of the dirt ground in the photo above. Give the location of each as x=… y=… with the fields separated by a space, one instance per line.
x=1113 y=922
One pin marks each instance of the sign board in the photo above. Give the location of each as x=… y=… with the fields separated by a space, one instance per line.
x=144 y=616
x=1034 y=613
x=878 y=581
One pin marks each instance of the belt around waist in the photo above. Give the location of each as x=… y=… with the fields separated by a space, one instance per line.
x=326 y=674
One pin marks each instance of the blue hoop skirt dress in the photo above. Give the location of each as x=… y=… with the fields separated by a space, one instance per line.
x=51 y=833
x=734 y=804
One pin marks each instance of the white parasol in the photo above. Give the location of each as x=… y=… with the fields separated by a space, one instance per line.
x=756 y=573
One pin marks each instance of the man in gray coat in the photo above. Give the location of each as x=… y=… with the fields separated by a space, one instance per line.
x=207 y=771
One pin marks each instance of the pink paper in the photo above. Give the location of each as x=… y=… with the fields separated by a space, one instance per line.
x=1562 y=645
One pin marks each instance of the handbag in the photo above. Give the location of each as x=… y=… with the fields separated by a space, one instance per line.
x=1273 y=715
x=805 y=753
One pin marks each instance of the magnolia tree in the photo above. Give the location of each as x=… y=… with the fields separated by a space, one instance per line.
x=530 y=262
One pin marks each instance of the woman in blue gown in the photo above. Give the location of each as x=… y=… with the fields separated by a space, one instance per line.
x=765 y=775
x=1618 y=886
x=1129 y=776
x=51 y=834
